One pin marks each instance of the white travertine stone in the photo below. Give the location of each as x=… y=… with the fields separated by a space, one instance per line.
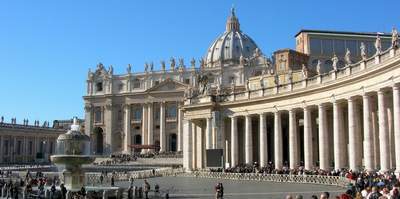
x=234 y=142
x=338 y=135
x=354 y=153
x=383 y=133
x=308 y=146
x=396 y=118
x=200 y=155
x=293 y=140
x=187 y=147
x=163 y=138
x=209 y=136
x=263 y=141
x=278 y=140
x=180 y=130
x=368 y=134
x=150 y=126
x=144 y=126
x=248 y=141
x=108 y=120
x=127 y=128
x=323 y=137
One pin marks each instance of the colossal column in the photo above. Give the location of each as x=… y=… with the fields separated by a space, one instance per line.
x=127 y=128
x=338 y=135
x=368 y=134
x=396 y=118
x=144 y=126
x=248 y=141
x=323 y=137
x=278 y=140
x=293 y=137
x=263 y=141
x=187 y=147
x=180 y=129
x=163 y=142
x=150 y=125
x=308 y=150
x=383 y=133
x=109 y=117
x=234 y=142
x=209 y=133
x=354 y=135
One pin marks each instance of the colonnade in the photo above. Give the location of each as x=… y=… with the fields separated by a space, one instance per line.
x=358 y=132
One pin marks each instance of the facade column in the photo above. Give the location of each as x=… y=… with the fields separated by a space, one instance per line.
x=383 y=133
x=278 y=140
x=109 y=117
x=144 y=126
x=209 y=136
x=263 y=141
x=88 y=119
x=163 y=138
x=248 y=140
x=150 y=131
x=323 y=138
x=187 y=147
x=127 y=128
x=396 y=119
x=308 y=149
x=354 y=128
x=338 y=136
x=234 y=142
x=180 y=129
x=368 y=134
x=293 y=140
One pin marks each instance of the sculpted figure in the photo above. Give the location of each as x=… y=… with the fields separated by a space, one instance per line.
x=347 y=57
x=172 y=62
x=257 y=52
x=110 y=70
x=90 y=75
x=151 y=66
x=247 y=85
x=181 y=63
x=193 y=63
x=242 y=60
x=146 y=67
x=129 y=68
x=276 y=79
x=335 y=61
x=378 y=45
x=318 y=67
x=304 y=70
x=163 y=65
x=363 y=51
x=395 y=38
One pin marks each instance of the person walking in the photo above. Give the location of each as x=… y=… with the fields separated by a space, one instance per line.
x=146 y=189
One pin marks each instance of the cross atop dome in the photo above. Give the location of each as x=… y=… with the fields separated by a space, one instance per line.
x=233 y=22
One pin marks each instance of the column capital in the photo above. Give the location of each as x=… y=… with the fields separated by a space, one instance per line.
x=396 y=87
x=322 y=105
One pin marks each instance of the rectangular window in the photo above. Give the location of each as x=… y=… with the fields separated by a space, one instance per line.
x=137 y=114
x=97 y=114
x=136 y=83
x=327 y=47
x=171 y=111
x=315 y=46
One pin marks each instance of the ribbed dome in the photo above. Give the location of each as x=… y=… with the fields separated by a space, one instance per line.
x=231 y=45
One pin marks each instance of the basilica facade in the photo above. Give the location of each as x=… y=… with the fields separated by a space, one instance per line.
x=333 y=102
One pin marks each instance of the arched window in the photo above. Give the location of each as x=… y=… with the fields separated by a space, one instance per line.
x=136 y=83
x=99 y=86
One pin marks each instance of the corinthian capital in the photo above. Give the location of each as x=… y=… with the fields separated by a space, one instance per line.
x=88 y=107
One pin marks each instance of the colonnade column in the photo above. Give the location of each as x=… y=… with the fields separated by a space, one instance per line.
x=338 y=135
x=278 y=140
x=144 y=126
x=354 y=131
x=383 y=133
x=127 y=128
x=323 y=138
x=396 y=118
x=368 y=134
x=308 y=150
x=180 y=129
x=293 y=140
x=150 y=125
x=248 y=141
x=187 y=147
x=263 y=141
x=209 y=136
x=234 y=142
x=163 y=142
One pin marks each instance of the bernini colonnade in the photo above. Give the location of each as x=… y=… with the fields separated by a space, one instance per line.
x=348 y=118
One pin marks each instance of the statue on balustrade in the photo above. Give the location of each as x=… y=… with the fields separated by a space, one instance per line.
x=304 y=70
x=163 y=65
x=335 y=61
x=318 y=67
x=202 y=81
x=193 y=63
x=110 y=70
x=172 y=64
x=146 y=67
x=151 y=66
x=395 y=38
x=347 y=57
x=378 y=45
x=242 y=60
x=363 y=51
x=276 y=79
x=129 y=69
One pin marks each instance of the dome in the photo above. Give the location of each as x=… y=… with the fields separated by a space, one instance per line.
x=231 y=45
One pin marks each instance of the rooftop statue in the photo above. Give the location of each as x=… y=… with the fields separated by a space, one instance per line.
x=110 y=70
x=181 y=64
x=378 y=45
x=395 y=38
x=304 y=70
x=363 y=50
x=129 y=68
x=242 y=60
x=163 y=65
x=146 y=67
x=172 y=63
x=347 y=57
x=202 y=63
x=193 y=63
x=202 y=81
x=151 y=66
x=318 y=67
x=335 y=61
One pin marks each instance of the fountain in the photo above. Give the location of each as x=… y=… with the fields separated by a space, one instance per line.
x=73 y=150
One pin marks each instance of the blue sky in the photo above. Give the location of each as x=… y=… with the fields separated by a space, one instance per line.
x=46 y=47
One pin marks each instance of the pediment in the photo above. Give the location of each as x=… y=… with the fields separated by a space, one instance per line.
x=168 y=85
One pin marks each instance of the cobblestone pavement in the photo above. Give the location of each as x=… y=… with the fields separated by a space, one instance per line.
x=188 y=187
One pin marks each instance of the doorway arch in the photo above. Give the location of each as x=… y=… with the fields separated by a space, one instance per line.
x=172 y=142
x=98 y=140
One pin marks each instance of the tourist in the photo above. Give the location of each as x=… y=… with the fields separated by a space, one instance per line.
x=63 y=191
x=131 y=180
x=146 y=189
x=112 y=180
x=289 y=197
x=101 y=178
x=324 y=195
x=299 y=197
x=314 y=197
x=130 y=194
x=83 y=192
